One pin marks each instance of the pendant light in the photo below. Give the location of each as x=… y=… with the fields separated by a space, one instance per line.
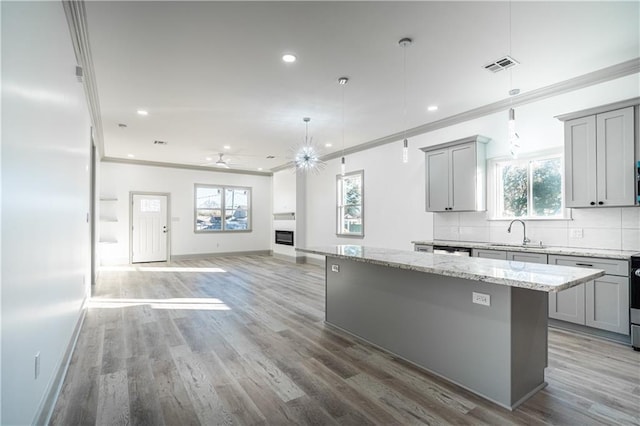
x=512 y=135
x=342 y=81
x=404 y=43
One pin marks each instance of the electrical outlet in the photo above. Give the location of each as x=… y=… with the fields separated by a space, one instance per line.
x=335 y=268
x=577 y=233
x=481 y=299
x=37 y=366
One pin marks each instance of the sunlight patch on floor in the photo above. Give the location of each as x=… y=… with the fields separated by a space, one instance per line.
x=130 y=268
x=204 y=304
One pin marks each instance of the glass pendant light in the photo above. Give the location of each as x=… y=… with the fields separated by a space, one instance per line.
x=514 y=143
x=512 y=135
x=342 y=81
x=404 y=43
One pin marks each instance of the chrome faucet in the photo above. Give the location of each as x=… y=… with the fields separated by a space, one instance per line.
x=525 y=240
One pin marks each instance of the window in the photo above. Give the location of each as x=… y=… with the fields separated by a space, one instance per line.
x=350 y=204
x=529 y=188
x=213 y=203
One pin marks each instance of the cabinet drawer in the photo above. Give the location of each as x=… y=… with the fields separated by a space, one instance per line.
x=490 y=254
x=527 y=257
x=610 y=266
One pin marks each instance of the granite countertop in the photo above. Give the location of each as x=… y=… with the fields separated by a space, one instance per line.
x=548 y=278
x=567 y=251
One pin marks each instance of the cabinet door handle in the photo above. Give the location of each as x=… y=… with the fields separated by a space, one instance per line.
x=600 y=202
x=593 y=203
x=585 y=264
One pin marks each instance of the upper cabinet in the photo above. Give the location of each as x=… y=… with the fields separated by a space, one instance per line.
x=600 y=157
x=456 y=175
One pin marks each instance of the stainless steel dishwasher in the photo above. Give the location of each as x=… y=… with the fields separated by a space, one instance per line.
x=454 y=251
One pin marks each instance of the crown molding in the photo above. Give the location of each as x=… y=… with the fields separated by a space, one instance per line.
x=596 y=77
x=77 y=21
x=183 y=166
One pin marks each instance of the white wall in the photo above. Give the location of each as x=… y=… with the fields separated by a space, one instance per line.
x=117 y=180
x=393 y=199
x=45 y=200
x=394 y=192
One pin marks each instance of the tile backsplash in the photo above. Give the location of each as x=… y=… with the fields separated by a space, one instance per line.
x=606 y=228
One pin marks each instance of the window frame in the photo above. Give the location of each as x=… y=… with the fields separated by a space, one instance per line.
x=494 y=181
x=340 y=208
x=223 y=208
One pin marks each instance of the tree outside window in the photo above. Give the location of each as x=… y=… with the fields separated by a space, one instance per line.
x=350 y=195
x=219 y=208
x=530 y=188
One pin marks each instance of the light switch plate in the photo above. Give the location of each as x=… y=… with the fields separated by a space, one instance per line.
x=335 y=268
x=481 y=299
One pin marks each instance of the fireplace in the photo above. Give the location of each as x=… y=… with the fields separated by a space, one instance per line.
x=284 y=237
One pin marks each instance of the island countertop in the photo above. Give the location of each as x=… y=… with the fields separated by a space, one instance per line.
x=534 y=276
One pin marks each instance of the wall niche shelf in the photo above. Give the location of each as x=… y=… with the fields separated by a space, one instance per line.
x=284 y=216
x=108 y=217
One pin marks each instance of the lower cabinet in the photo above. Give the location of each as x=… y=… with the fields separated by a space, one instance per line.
x=516 y=256
x=607 y=303
x=602 y=303
x=568 y=305
x=490 y=254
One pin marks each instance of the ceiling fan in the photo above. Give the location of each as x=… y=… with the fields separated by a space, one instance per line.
x=220 y=162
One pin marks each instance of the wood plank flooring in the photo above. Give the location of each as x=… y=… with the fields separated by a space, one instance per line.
x=241 y=340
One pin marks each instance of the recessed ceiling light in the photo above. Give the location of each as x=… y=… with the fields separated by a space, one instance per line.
x=259 y=169
x=208 y=158
x=328 y=145
x=143 y=112
x=130 y=155
x=289 y=58
x=226 y=147
x=432 y=108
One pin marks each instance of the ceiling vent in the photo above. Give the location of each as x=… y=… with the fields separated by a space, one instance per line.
x=501 y=64
x=160 y=143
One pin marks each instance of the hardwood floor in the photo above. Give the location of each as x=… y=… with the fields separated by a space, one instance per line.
x=241 y=340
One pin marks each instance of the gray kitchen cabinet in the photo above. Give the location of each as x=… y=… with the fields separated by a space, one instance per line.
x=490 y=254
x=602 y=303
x=456 y=175
x=600 y=159
x=607 y=303
x=527 y=257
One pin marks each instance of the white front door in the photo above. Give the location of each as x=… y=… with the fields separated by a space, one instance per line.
x=149 y=228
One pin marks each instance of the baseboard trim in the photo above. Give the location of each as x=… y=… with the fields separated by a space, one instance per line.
x=589 y=331
x=289 y=258
x=315 y=261
x=45 y=410
x=195 y=256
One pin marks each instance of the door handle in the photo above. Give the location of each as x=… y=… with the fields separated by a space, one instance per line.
x=164 y=229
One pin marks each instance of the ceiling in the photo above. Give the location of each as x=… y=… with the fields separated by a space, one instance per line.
x=210 y=74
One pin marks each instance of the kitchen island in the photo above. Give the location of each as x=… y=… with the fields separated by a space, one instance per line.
x=480 y=323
